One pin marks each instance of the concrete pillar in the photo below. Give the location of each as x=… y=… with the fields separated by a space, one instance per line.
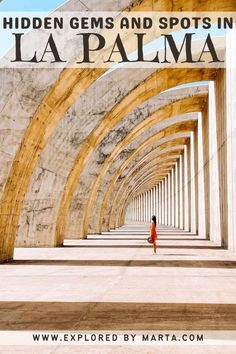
x=215 y=219
x=206 y=166
x=137 y=208
x=168 y=199
x=185 y=189
x=151 y=203
x=176 y=196
x=160 y=203
x=134 y=209
x=157 y=202
x=145 y=207
x=148 y=206
x=231 y=135
x=200 y=171
x=172 y=221
x=154 y=201
x=223 y=162
x=189 y=185
x=180 y=193
x=193 y=189
x=141 y=209
x=163 y=201
x=195 y=172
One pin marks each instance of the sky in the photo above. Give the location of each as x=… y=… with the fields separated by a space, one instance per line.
x=30 y=5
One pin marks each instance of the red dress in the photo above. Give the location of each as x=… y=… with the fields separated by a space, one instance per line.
x=153 y=232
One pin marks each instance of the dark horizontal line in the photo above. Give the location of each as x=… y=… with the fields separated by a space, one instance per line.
x=131 y=263
x=145 y=246
x=141 y=239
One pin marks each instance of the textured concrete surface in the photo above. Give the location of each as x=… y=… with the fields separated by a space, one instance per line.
x=115 y=281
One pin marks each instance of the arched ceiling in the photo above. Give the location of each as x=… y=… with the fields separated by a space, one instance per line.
x=117 y=183
x=123 y=194
x=191 y=104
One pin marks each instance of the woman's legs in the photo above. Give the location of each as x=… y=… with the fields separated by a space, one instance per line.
x=155 y=247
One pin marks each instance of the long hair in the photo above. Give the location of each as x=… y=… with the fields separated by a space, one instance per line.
x=154 y=219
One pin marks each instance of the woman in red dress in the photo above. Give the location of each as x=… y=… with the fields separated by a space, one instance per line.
x=154 y=233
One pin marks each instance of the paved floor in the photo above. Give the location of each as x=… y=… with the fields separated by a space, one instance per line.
x=115 y=282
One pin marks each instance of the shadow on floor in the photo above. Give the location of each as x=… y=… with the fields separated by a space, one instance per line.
x=131 y=263
x=142 y=239
x=116 y=316
x=147 y=246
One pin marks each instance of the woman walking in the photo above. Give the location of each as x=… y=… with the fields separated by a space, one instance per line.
x=153 y=233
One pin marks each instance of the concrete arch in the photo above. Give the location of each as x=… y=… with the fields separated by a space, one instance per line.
x=116 y=184
x=150 y=179
x=122 y=190
x=152 y=166
x=144 y=181
x=148 y=165
x=150 y=183
x=190 y=104
x=156 y=83
x=151 y=86
x=179 y=5
x=171 y=144
x=70 y=85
